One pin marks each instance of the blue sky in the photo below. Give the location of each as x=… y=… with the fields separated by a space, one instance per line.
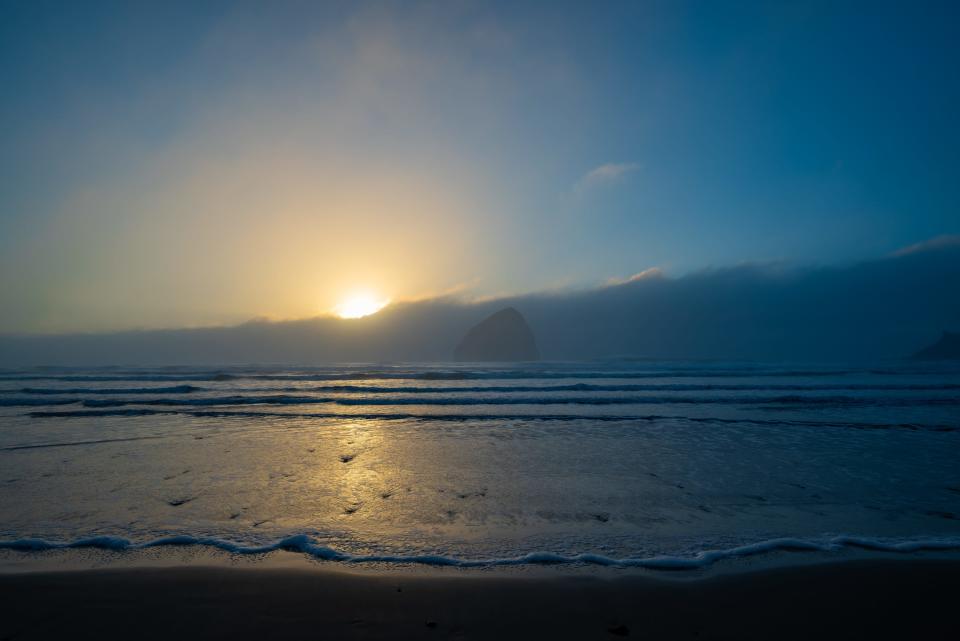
x=168 y=164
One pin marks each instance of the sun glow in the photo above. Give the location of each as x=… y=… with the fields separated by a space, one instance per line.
x=360 y=306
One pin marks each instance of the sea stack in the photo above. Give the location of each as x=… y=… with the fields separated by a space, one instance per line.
x=504 y=336
x=945 y=349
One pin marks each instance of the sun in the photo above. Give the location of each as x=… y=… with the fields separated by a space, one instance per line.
x=359 y=306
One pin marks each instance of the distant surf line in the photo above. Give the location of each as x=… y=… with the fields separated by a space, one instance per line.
x=427 y=375
x=499 y=389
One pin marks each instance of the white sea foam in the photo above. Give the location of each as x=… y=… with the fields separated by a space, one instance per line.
x=305 y=544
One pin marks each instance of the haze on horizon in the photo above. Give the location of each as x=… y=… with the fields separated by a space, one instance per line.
x=184 y=165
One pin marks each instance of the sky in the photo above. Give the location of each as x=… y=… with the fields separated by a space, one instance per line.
x=195 y=164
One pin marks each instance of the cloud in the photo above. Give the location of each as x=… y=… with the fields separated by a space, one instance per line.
x=949 y=240
x=652 y=272
x=605 y=174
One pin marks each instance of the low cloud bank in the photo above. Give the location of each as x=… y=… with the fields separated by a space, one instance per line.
x=885 y=308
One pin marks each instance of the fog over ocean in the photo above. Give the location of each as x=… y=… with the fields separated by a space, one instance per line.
x=770 y=312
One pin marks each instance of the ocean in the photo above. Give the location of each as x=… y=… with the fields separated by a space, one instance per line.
x=624 y=463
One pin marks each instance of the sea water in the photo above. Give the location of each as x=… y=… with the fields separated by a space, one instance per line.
x=672 y=464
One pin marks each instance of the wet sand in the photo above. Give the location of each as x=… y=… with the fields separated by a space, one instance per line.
x=864 y=599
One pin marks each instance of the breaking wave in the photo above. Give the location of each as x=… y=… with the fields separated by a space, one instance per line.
x=460 y=417
x=50 y=391
x=304 y=544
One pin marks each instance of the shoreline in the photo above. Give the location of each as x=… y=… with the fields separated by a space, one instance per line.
x=33 y=551
x=861 y=598
x=16 y=561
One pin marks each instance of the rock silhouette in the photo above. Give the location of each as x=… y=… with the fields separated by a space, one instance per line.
x=947 y=348
x=503 y=336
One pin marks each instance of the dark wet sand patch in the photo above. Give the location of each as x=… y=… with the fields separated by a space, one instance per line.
x=882 y=599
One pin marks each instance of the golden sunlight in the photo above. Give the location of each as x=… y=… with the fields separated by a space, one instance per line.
x=360 y=306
